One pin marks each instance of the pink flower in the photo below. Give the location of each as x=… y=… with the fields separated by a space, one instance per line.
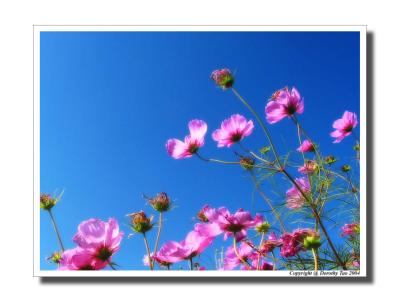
x=306 y=146
x=179 y=149
x=271 y=243
x=294 y=198
x=344 y=126
x=193 y=245
x=263 y=266
x=101 y=239
x=79 y=259
x=245 y=251
x=292 y=243
x=223 y=78
x=231 y=224
x=309 y=167
x=284 y=103
x=350 y=229
x=233 y=130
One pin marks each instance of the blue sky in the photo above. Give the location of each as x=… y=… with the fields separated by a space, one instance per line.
x=110 y=100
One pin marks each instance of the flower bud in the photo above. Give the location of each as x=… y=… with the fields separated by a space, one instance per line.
x=263 y=227
x=265 y=150
x=161 y=202
x=247 y=163
x=223 y=78
x=140 y=222
x=312 y=242
x=330 y=160
x=346 y=168
x=201 y=216
x=47 y=202
x=357 y=147
x=55 y=258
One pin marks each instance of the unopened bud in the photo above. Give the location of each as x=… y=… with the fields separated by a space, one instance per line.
x=312 y=242
x=223 y=78
x=247 y=163
x=161 y=202
x=47 y=202
x=140 y=222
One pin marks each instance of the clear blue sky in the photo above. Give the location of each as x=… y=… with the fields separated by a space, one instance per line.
x=110 y=100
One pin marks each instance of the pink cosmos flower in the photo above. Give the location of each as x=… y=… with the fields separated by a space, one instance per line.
x=294 y=198
x=231 y=224
x=79 y=259
x=306 y=146
x=233 y=130
x=350 y=229
x=179 y=149
x=344 y=126
x=101 y=239
x=292 y=243
x=271 y=243
x=284 y=103
x=309 y=167
x=193 y=245
x=245 y=251
x=264 y=266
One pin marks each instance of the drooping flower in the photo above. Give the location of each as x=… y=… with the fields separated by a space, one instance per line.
x=309 y=167
x=183 y=149
x=156 y=258
x=80 y=259
x=246 y=253
x=350 y=229
x=223 y=78
x=270 y=244
x=306 y=146
x=101 y=239
x=283 y=103
x=294 y=197
x=193 y=245
x=344 y=126
x=232 y=224
x=292 y=243
x=233 y=130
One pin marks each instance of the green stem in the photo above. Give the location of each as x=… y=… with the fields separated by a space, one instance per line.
x=146 y=243
x=260 y=122
x=259 y=248
x=264 y=196
x=315 y=256
x=237 y=253
x=56 y=230
x=158 y=235
x=191 y=263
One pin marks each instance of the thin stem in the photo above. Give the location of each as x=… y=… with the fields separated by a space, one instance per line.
x=315 y=256
x=289 y=176
x=259 y=248
x=237 y=253
x=191 y=263
x=318 y=218
x=112 y=266
x=264 y=196
x=146 y=243
x=263 y=127
x=158 y=235
x=56 y=230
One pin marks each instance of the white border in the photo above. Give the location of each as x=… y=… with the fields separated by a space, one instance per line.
x=362 y=29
